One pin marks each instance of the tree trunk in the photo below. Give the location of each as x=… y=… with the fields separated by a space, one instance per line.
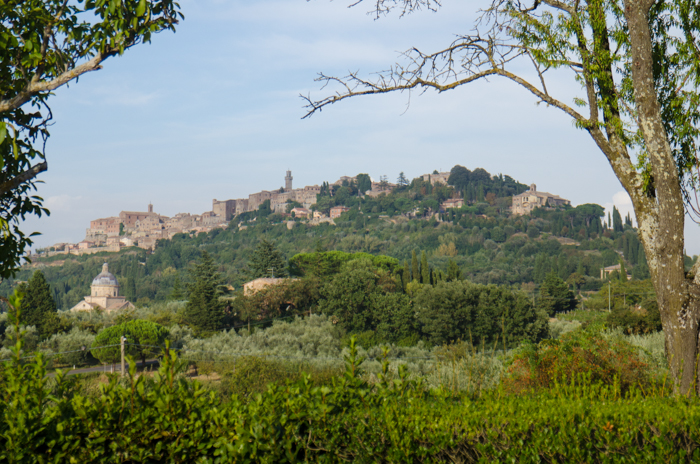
x=661 y=218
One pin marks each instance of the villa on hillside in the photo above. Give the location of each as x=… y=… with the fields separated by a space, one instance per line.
x=531 y=199
x=336 y=211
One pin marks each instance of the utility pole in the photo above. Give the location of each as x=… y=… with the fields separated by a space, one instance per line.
x=122 y=340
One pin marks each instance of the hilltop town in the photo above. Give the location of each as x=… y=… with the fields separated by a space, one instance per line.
x=144 y=228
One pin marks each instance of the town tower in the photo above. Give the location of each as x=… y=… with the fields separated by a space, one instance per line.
x=288 y=181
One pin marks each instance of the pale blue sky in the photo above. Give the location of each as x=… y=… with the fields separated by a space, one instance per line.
x=213 y=111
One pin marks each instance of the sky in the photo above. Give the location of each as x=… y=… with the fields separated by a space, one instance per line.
x=213 y=112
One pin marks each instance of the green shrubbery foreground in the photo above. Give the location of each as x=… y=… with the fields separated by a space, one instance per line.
x=167 y=418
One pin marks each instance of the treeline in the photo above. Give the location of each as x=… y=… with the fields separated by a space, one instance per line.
x=381 y=301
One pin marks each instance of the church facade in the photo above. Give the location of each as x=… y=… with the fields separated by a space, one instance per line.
x=104 y=294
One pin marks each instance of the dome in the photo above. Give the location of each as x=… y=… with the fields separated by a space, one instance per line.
x=105 y=278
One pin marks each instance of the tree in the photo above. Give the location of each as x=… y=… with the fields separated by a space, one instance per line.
x=204 y=310
x=555 y=296
x=177 y=292
x=415 y=272
x=638 y=66
x=402 y=181
x=47 y=44
x=406 y=275
x=38 y=307
x=424 y=269
x=266 y=261
x=364 y=183
x=143 y=339
x=617 y=220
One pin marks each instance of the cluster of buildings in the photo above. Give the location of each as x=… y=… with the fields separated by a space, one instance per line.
x=144 y=228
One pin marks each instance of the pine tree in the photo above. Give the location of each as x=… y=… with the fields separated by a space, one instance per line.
x=204 y=310
x=267 y=261
x=555 y=295
x=415 y=273
x=38 y=308
x=424 y=268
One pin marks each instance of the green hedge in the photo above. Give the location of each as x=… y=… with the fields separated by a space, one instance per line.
x=168 y=418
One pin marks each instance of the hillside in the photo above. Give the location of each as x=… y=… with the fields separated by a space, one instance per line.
x=481 y=238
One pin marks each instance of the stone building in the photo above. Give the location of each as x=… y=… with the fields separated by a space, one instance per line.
x=527 y=201
x=107 y=226
x=104 y=294
x=451 y=203
x=129 y=218
x=439 y=177
x=336 y=211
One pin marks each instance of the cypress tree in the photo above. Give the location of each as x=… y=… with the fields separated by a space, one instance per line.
x=38 y=308
x=424 y=268
x=623 y=272
x=204 y=310
x=414 y=266
x=617 y=220
x=406 y=277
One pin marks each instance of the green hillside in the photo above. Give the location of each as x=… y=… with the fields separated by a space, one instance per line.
x=481 y=239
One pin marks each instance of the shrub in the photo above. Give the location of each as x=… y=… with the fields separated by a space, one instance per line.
x=577 y=357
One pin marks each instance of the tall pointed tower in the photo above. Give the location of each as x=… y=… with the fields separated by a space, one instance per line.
x=288 y=181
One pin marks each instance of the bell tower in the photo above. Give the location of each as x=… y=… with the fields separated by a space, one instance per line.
x=288 y=181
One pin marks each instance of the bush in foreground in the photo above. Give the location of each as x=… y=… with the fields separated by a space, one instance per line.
x=170 y=419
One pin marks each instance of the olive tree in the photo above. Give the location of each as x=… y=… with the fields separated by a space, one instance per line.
x=45 y=45
x=637 y=63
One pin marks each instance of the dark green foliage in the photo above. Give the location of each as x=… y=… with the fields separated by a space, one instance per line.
x=414 y=266
x=555 y=296
x=480 y=314
x=617 y=220
x=204 y=309
x=352 y=294
x=143 y=339
x=178 y=293
x=623 y=272
x=364 y=183
x=641 y=270
x=406 y=276
x=38 y=306
x=636 y=321
x=424 y=269
x=328 y=263
x=453 y=271
x=267 y=261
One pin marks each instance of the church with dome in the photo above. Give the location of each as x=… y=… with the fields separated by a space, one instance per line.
x=104 y=294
